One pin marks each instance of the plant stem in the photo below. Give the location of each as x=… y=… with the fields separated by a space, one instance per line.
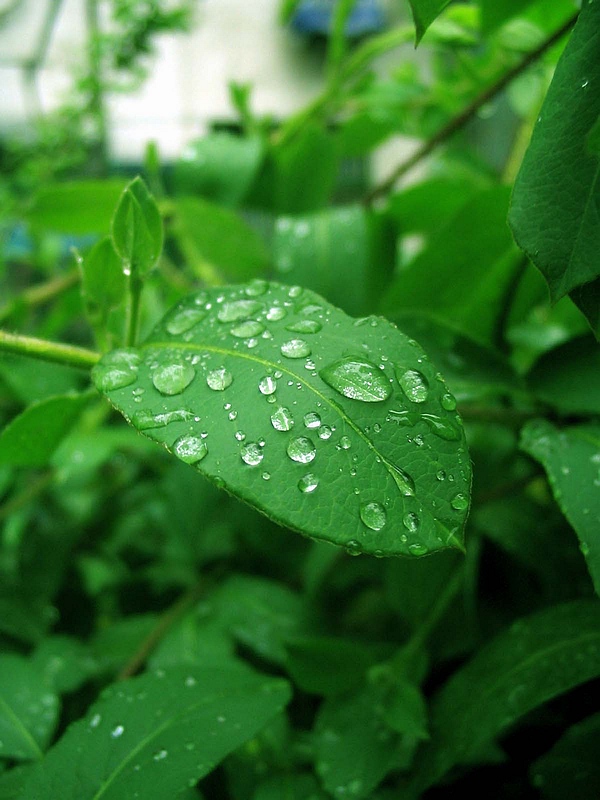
x=466 y=115
x=36 y=295
x=337 y=42
x=45 y=350
x=133 y=308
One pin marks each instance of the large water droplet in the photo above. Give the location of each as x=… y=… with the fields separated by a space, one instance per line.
x=301 y=449
x=146 y=420
x=373 y=515
x=325 y=432
x=448 y=402
x=184 y=320
x=173 y=378
x=282 y=419
x=403 y=480
x=459 y=502
x=219 y=379
x=358 y=380
x=238 y=310
x=414 y=385
x=312 y=420
x=117 y=370
x=295 y=348
x=247 y=329
x=304 y=326
x=441 y=427
x=308 y=483
x=267 y=385
x=190 y=449
x=411 y=522
x=251 y=454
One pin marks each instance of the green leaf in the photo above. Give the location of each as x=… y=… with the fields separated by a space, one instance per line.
x=571 y=768
x=103 y=289
x=218 y=237
x=494 y=13
x=554 y=210
x=424 y=12
x=137 y=230
x=221 y=167
x=64 y=663
x=75 y=207
x=32 y=437
x=345 y=254
x=288 y=403
x=28 y=710
x=295 y=786
x=568 y=377
x=298 y=189
x=157 y=734
x=571 y=458
x=536 y=659
x=587 y=300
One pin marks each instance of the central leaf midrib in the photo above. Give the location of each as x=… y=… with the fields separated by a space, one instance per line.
x=276 y=366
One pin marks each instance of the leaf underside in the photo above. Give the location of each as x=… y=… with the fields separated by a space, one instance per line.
x=341 y=429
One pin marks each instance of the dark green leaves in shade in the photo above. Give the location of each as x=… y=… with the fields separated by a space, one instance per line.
x=289 y=404
x=571 y=768
x=75 y=207
x=345 y=254
x=494 y=13
x=554 y=211
x=137 y=229
x=568 y=377
x=424 y=12
x=103 y=288
x=571 y=458
x=32 y=437
x=536 y=659
x=220 y=167
x=28 y=710
x=158 y=734
x=298 y=189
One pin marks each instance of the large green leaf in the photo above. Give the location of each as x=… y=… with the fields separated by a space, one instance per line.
x=568 y=377
x=424 y=12
x=75 y=207
x=155 y=735
x=571 y=458
x=339 y=428
x=554 y=212
x=536 y=659
x=28 y=710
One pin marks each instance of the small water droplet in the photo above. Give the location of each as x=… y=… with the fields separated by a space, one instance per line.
x=266 y=476
x=267 y=385
x=251 y=454
x=411 y=522
x=219 y=379
x=232 y=415
x=117 y=370
x=414 y=385
x=257 y=287
x=276 y=313
x=295 y=348
x=358 y=380
x=403 y=480
x=190 y=449
x=448 y=402
x=171 y=379
x=459 y=502
x=146 y=420
x=240 y=436
x=247 y=329
x=118 y=731
x=190 y=681
x=282 y=419
x=95 y=721
x=238 y=310
x=304 y=326
x=312 y=420
x=160 y=755
x=373 y=515
x=295 y=291
x=440 y=475
x=417 y=549
x=184 y=320
x=301 y=449
x=353 y=548
x=308 y=483
x=441 y=427
x=345 y=443
x=325 y=432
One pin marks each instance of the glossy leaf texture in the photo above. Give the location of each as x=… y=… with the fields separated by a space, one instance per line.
x=571 y=458
x=339 y=428
x=155 y=735
x=554 y=210
x=536 y=659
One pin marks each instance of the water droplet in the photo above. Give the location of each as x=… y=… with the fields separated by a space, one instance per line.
x=417 y=549
x=414 y=385
x=403 y=480
x=373 y=515
x=173 y=378
x=353 y=548
x=441 y=427
x=267 y=385
x=282 y=419
x=247 y=329
x=295 y=291
x=190 y=449
x=232 y=415
x=459 y=502
x=251 y=454
x=184 y=320
x=146 y=420
x=240 y=436
x=358 y=380
x=219 y=379
x=266 y=476
x=95 y=721
x=440 y=475
x=118 y=731
x=411 y=522
x=308 y=483
x=345 y=443
x=325 y=432
x=257 y=287
x=304 y=326
x=448 y=402
x=238 y=310
x=160 y=755
x=117 y=370
x=276 y=313
x=312 y=420
x=405 y=419
x=295 y=348
x=301 y=449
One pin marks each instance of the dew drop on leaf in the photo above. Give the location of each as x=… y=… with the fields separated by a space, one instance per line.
x=308 y=483
x=295 y=348
x=238 y=310
x=173 y=378
x=282 y=419
x=257 y=287
x=417 y=549
x=267 y=385
x=276 y=313
x=411 y=522
x=219 y=379
x=325 y=432
x=441 y=427
x=312 y=420
x=301 y=449
x=353 y=548
x=247 y=329
x=345 y=443
x=146 y=420
x=414 y=385
x=109 y=378
x=304 y=326
x=190 y=449
x=356 y=379
x=373 y=515
x=459 y=502
x=403 y=481
x=251 y=454
x=184 y=320
x=448 y=402
x=118 y=731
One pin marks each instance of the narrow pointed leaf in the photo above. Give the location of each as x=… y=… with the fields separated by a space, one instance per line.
x=155 y=735
x=137 y=230
x=424 y=12
x=339 y=428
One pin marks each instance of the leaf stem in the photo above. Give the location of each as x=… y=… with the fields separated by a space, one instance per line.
x=466 y=115
x=67 y=354
x=133 y=308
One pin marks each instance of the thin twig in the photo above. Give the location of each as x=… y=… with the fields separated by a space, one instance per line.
x=67 y=354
